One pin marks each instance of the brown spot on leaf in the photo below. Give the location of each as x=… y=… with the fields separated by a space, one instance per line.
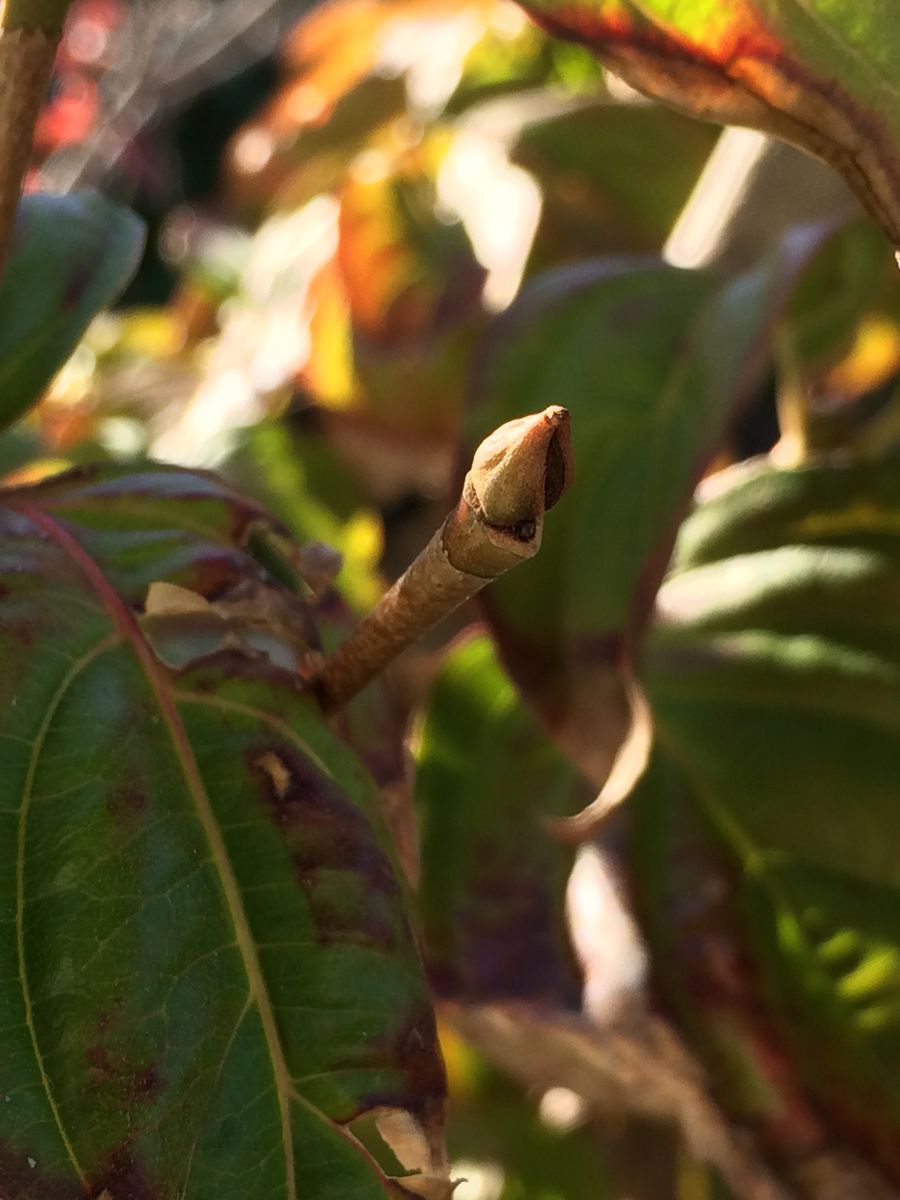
x=277 y=771
x=76 y=285
x=509 y=939
x=414 y=1048
x=126 y=801
x=327 y=836
x=119 y=1078
x=125 y=1178
x=21 y=1178
x=109 y=1016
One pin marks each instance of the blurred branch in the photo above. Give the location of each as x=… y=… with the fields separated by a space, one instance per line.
x=163 y=56
x=637 y=1064
x=29 y=32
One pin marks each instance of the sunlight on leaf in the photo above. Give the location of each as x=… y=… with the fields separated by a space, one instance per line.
x=195 y=874
x=773 y=674
x=817 y=73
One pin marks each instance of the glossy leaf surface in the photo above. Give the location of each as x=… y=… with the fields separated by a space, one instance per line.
x=817 y=73
x=194 y=877
x=70 y=257
x=773 y=673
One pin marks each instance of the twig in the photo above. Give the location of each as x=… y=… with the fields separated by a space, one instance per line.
x=518 y=473
x=29 y=33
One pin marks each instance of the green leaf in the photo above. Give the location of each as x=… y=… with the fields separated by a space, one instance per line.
x=493 y=877
x=651 y=362
x=206 y=965
x=818 y=73
x=773 y=674
x=593 y=161
x=496 y=1127
x=70 y=257
x=312 y=490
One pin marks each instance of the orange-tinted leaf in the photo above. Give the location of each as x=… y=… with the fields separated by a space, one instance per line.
x=394 y=318
x=820 y=74
x=406 y=272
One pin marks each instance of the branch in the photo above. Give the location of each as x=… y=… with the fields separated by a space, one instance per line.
x=29 y=34
x=519 y=472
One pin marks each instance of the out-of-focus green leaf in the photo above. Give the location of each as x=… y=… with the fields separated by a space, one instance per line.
x=498 y=1140
x=492 y=877
x=70 y=257
x=848 y=277
x=18 y=448
x=207 y=965
x=515 y=59
x=815 y=72
x=312 y=491
x=769 y=856
x=594 y=162
x=651 y=361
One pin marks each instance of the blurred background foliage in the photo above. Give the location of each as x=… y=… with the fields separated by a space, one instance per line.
x=378 y=228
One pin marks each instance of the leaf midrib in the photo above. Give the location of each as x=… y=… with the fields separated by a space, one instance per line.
x=126 y=625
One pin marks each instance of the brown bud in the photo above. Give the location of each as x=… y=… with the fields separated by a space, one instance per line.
x=517 y=473
x=523 y=468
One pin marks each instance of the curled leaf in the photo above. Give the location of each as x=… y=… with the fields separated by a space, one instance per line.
x=652 y=362
x=813 y=72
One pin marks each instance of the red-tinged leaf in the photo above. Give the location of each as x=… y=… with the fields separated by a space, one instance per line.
x=187 y=527
x=207 y=967
x=816 y=73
